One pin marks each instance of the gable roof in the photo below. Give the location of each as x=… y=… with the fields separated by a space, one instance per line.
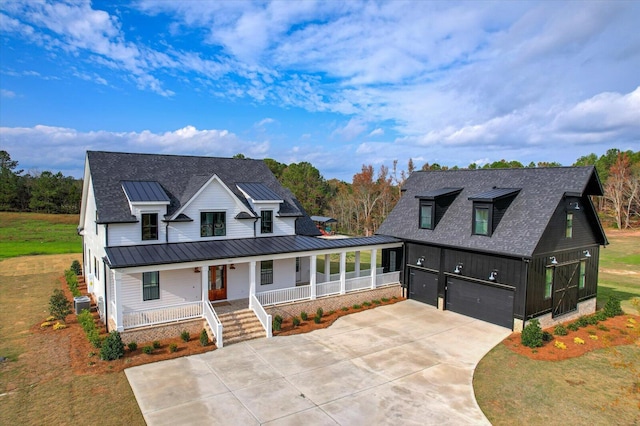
x=523 y=223
x=181 y=177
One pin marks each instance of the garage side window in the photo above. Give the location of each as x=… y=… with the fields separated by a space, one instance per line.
x=150 y=285
x=548 y=283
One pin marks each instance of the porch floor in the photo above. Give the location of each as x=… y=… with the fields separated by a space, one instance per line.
x=227 y=306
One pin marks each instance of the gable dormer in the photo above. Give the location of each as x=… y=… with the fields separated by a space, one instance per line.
x=433 y=206
x=147 y=200
x=489 y=207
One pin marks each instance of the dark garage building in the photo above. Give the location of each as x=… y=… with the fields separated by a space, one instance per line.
x=501 y=245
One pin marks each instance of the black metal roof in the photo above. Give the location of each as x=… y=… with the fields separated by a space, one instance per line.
x=439 y=192
x=523 y=223
x=160 y=254
x=494 y=194
x=258 y=191
x=144 y=191
x=181 y=177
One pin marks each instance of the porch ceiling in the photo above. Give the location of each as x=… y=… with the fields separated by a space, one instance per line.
x=160 y=254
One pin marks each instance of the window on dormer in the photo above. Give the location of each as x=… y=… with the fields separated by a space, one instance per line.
x=266 y=222
x=489 y=207
x=481 y=220
x=426 y=215
x=213 y=224
x=433 y=205
x=149 y=226
x=568 y=233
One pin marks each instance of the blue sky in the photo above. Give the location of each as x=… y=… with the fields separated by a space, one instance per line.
x=337 y=84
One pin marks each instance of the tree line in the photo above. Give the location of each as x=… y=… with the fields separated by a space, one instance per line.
x=359 y=206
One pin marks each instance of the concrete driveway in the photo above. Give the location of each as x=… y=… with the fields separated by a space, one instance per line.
x=405 y=363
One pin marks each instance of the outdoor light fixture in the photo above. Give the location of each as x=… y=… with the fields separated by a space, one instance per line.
x=458 y=269
x=420 y=261
x=196 y=269
x=553 y=260
x=586 y=253
x=494 y=275
x=233 y=266
x=574 y=206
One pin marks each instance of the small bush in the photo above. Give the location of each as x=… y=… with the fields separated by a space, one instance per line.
x=185 y=336
x=367 y=304
x=375 y=301
x=156 y=344
x=612 y=307
x=59 y=306
x=72 y=282
x=600 y=316
x=332 y=312
x=546 y=336
x=317 y=319
x=277 y=322
x=112 y=347
x=592 y=320
x=173 y=347
x=573 y=326
x=204 y=338
x=560 y=330
x=94 y=338
x=76 y=268
x=602 y=327
x=147 y=349
x=384 y=299
x=395 y=297
x=532 y=334
x=132 y=346
x=356 y=306
x=296 y=321
x=304 y=316
x=582 y=321
x=345 y=309
x=319 y=312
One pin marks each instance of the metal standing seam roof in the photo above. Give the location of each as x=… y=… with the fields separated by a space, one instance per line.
x=144 y=191
x=258 y=191
x=440 y=192
x=161 y=254
x=494 y=194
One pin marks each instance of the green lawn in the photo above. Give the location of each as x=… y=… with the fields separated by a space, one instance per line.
x=365 y=262
x=620 y=269
x=23 y=234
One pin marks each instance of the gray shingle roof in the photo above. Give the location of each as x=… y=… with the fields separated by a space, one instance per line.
x=523 y=223
x=158 y=254
x=181 y=177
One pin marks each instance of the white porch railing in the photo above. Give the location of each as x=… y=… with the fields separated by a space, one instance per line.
x=263 y=316
x=172 y=313
x=291 y=294
x=213 y=321
x=357 y=284
x=387 y=279
x=349 y=275
x=327 y=289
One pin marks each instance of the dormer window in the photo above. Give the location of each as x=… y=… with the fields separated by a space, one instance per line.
x=266 y=222
x=489 y=207
x=149 y=226
x=433 y=206
x=213 y=224
x=568 y=232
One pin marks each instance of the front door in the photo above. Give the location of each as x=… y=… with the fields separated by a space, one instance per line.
x=217 y=282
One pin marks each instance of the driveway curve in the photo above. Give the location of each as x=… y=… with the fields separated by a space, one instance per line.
x=405 y=363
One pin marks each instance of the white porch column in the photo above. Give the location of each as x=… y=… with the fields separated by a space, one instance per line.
x=343 y=272
x=117 y=287
x=374 y=261
x=252 y=282
x=204 y=282
x=357 y=263
x=327 y=268
x=312 y=275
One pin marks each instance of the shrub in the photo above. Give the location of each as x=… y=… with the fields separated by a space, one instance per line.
x=185 y=336
x=356 y=306
x=573 y=326
x=603 y=327
x=367 y=304
x=319 y=312
x=94 y=338
x=546 y=336
x=304 y=316
x=395 y=297
x=132 y=346
x=277 y=322
x=384 y=299
x=592 y=320
x=58 y=326
x=112 y=347
x=72 y=282
x=173 y=347
x=296 y=321
x=59 y=306
x=204 y=338
x=76 y=268
x=317 y=319
x=147 y=349
x=332 y=312
x=612 y=307
x=600 y=316
x=156 y=344
x=375 y=301
x=582 y=321
x=345 y=309
x=532 y=334
x=560 y=330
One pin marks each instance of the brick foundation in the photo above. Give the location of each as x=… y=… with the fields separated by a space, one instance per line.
x=333 y=303
x=163 y=331
x=584 y=308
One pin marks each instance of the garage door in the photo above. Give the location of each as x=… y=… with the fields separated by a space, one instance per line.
x=423 y=286
x=484 y=302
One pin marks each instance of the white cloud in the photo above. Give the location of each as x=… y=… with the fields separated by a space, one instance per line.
x=354 y=128
x=7 y=93
x=377 y=132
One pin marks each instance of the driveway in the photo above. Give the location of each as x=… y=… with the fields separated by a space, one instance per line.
x=405 y=363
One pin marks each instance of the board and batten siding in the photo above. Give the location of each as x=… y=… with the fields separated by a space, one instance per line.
x=176 y=286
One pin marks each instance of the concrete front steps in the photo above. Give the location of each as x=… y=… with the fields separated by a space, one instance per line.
x=239 y=326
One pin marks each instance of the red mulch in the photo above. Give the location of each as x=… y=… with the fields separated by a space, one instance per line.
x=622 y=330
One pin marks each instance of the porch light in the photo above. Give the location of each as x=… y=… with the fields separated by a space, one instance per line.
x=458 y=269
x=420 y=261
x=494 y=275
x=586 y=253
x=553 y=260
x=196 y=270
x=233 y=266
x=574 y=206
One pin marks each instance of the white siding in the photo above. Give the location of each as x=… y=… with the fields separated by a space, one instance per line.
x=127 y=234
x=176 y=286
x=93 y=246
x=284 y=275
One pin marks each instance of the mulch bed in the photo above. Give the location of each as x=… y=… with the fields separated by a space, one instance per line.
x=616 y=331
